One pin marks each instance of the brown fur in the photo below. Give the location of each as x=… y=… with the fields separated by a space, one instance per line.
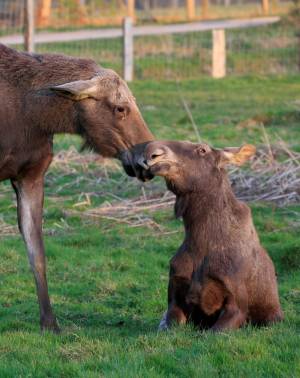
x=42 y=95
x=221 y=277
x=33 y=109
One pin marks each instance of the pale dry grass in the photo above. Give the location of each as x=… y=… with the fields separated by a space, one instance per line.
x=272 y=176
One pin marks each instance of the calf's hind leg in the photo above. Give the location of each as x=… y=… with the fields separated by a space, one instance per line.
x=30 y=193
x=215 y=297
x=266 y=316
x=231 y=317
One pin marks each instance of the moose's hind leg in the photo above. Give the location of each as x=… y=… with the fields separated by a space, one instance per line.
x=232 y=317
x=216 y=299
x=266 y=316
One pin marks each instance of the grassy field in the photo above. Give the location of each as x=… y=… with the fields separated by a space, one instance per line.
x=108 y=280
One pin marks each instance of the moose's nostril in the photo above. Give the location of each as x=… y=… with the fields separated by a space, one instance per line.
x=143 y=163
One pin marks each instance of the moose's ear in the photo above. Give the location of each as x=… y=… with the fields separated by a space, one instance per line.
x=78 y=90
x=237 y=155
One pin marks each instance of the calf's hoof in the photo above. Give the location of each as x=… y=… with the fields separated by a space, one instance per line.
x=50 y=325
x=272 y=319
x=163 y=325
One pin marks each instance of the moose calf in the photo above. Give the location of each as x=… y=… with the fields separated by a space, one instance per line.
x=221 y=277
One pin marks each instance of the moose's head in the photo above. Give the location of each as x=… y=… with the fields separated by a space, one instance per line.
x=108 y=117
x=187 y=166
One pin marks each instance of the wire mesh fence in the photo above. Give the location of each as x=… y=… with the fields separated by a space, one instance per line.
x=255 y=51
x=106 y=52
x=270 y=49
x=11 y=16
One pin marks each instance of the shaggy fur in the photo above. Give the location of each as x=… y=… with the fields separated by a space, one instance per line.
x=221 y=277
x=38 y=101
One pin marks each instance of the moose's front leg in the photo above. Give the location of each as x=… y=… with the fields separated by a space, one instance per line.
x=181 y=269
x=30 y=196
x=178 y=310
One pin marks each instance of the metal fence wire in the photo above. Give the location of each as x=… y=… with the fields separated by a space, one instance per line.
x=270 y=49
x=11 y=16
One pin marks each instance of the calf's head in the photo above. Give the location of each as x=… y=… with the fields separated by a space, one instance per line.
x=191 y=167
x=108 y=117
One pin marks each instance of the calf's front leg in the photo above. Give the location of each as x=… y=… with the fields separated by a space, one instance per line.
x=30 y=195
x=178 y=310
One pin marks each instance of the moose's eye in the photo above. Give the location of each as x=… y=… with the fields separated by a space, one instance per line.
x=120 y=109
x=203 y=149
x=157 y=153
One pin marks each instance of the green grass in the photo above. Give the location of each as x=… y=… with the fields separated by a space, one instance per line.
x=227 y=112
x=108 y=282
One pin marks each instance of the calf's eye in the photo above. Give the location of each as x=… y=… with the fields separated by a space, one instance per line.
x=202 y=149
x=157 y=152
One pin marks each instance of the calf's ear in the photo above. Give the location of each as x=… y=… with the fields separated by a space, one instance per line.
x=237 y=155
x=78 y=90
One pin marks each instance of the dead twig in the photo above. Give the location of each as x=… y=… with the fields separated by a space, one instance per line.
x=189 y=113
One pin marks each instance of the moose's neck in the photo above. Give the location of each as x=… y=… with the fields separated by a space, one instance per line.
x=209 y=217
x=52 y=114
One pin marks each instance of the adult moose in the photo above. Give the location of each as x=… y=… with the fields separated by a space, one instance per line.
x=42 y=95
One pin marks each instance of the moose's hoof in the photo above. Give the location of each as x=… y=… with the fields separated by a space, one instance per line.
x=50 y=325
x=163 y=325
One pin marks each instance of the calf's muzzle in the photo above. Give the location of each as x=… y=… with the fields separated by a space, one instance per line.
x=134 y=163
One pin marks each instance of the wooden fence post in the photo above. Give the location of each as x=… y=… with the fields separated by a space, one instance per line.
x=131 y=9
x=265 y=6
x=127 y=49
x=44 y=11
x=190 y=7
x=274 y=6
x=218 y=54
x=29 y=25
x=204 y=8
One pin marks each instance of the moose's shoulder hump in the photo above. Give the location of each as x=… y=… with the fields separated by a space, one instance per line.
x=38 y=70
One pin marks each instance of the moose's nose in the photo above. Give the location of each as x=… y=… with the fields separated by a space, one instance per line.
x=142 y=162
